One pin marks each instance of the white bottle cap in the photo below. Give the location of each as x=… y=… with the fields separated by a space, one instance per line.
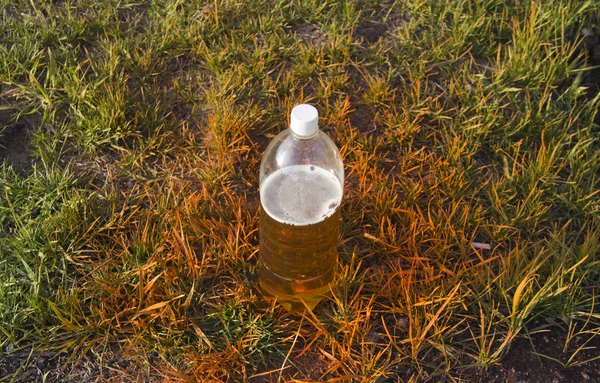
x=304 y=120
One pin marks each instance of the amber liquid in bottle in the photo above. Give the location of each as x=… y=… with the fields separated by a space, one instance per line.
x=299 y=231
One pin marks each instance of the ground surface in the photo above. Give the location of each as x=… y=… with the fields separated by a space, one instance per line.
x=131 y=134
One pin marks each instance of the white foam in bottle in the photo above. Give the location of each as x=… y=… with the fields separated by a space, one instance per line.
x=301 y=195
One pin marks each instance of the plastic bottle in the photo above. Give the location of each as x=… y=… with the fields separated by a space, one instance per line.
x=301 y=188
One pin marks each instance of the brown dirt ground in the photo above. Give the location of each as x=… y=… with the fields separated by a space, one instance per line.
x=14 y=141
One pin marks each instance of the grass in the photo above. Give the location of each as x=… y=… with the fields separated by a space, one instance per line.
x=471 y=211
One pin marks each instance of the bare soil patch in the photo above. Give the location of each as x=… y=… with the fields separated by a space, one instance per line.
x=524 y=362
x=15 y=137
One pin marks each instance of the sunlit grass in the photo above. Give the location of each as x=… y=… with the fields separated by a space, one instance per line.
x=471 y=205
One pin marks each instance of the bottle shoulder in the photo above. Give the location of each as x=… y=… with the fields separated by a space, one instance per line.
x=288 y=150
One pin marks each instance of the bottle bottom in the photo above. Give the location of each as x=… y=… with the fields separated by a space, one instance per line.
x=295 y=295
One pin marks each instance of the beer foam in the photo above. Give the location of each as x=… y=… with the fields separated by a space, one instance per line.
x=301 y=194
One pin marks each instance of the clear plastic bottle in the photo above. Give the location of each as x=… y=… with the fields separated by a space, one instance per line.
x=301 y=187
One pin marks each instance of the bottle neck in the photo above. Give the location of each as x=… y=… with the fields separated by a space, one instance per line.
x=303 y=138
